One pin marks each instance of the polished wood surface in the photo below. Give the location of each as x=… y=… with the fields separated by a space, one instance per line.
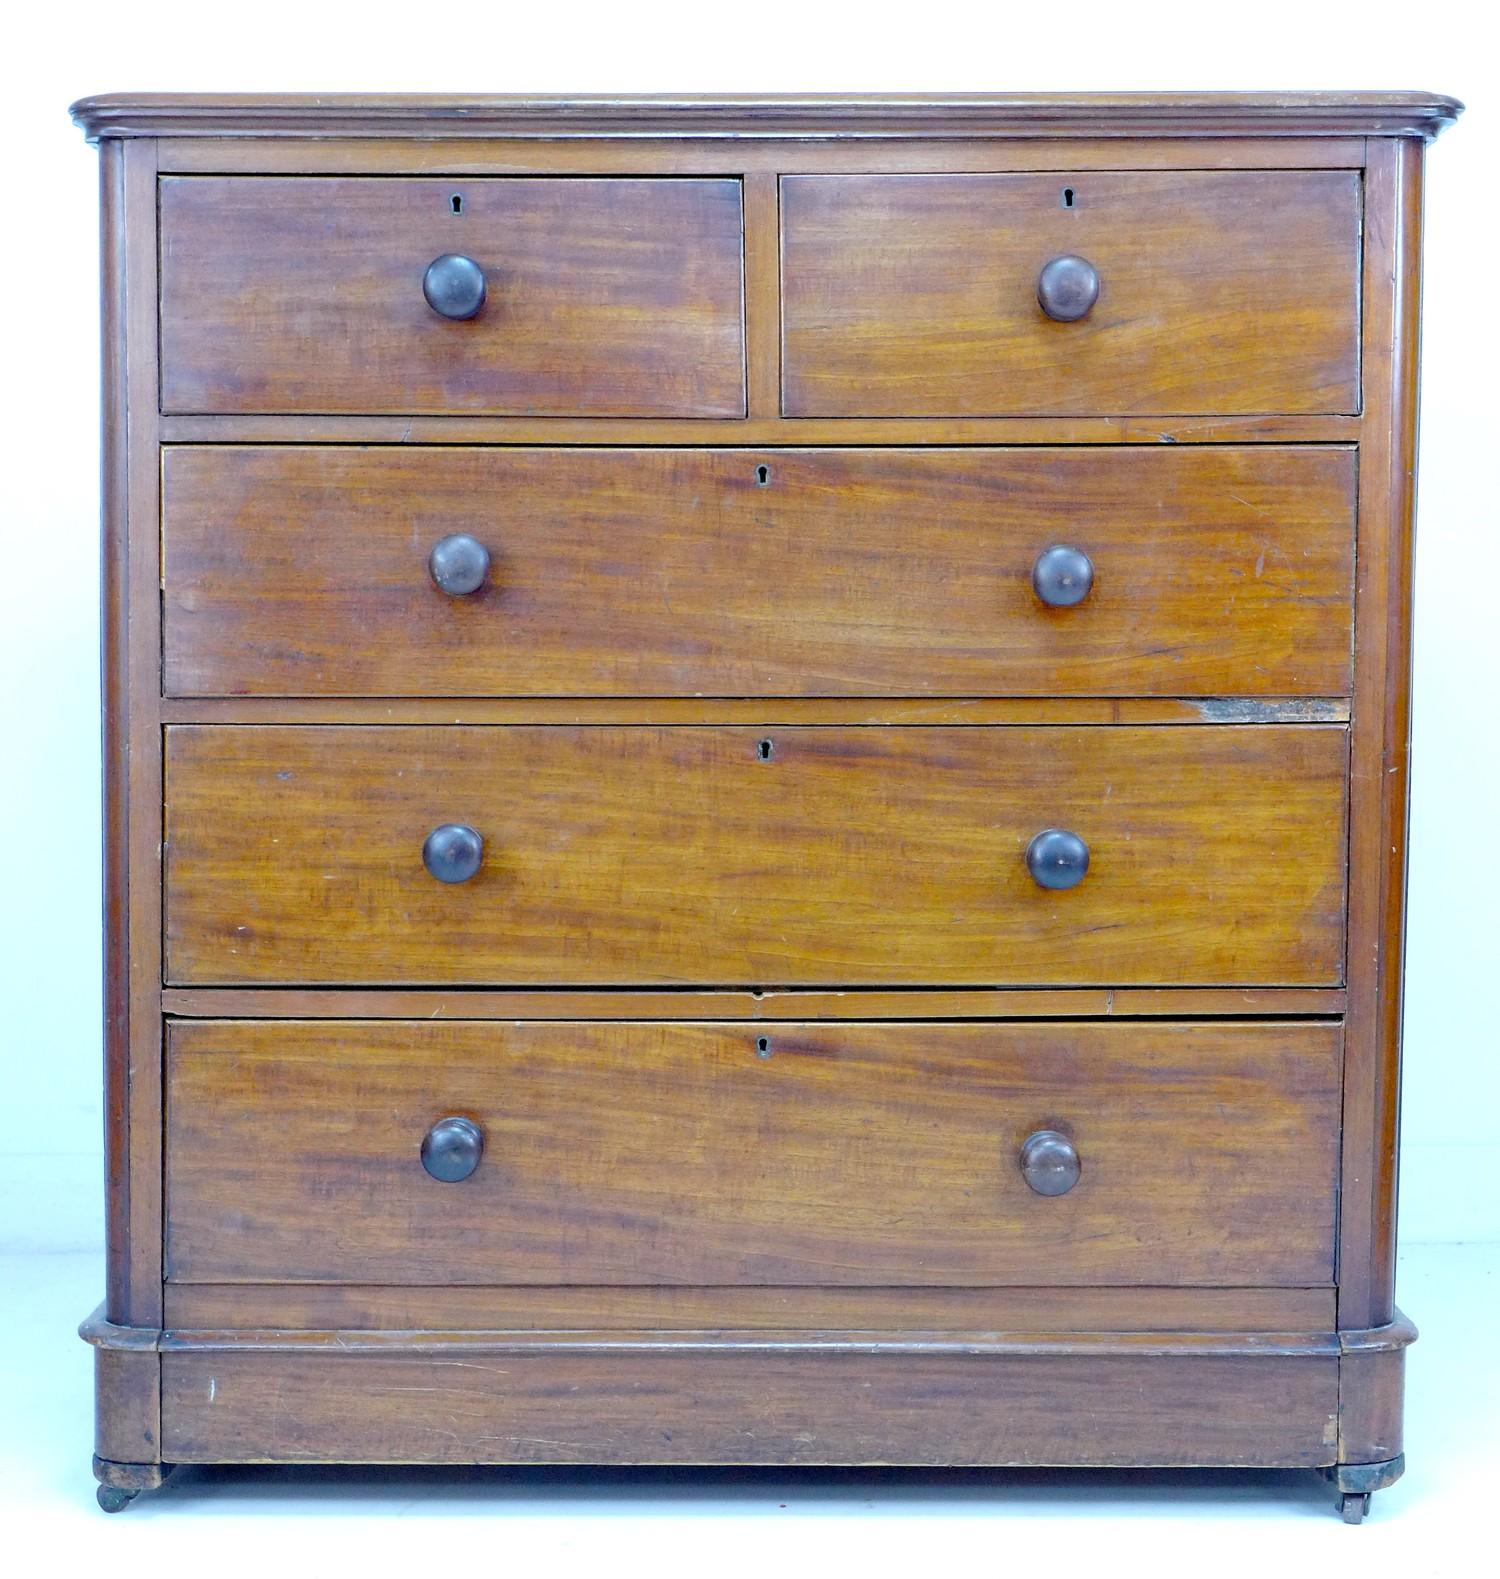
x=130 y=653
x=751 y=1406
x=893 y=712
x=848 y=856
x=759 y=428
x=667 y=1307
x=607 y=297
x=1223 y=292
x=679 y=1003
x=1232 y=748
x=767 y=158
x=303 y=571
x=1381 y=741
x=646 y=1152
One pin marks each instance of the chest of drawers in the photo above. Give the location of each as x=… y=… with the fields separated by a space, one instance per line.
x=755 y=780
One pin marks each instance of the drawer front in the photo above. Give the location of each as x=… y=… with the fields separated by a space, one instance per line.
x=302 y=571
x=734 y=1154
x=306 y=294
x=774 y=856
x=1218 y=292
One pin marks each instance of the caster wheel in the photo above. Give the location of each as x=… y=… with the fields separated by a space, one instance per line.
x=1353 y=1506
x=115 y=1499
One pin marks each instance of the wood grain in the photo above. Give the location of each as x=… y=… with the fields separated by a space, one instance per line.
x=847 y=1266
x=680 y=1003
x=667 y=1307
x=1231 y=291
x=636 y=432
x=851 y=856
x=130 y=652
x=303 y=571
x=688 y=155
x=1381 y=739
x=647 y=155
x=892 y=712
x=693 y=1154
x=114 y=700
x=751 y=1407
x=606 y=297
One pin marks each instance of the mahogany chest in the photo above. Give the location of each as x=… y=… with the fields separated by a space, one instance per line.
x=756 y=779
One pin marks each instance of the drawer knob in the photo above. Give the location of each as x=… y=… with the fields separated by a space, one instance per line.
x=451 y=1149
x=1049 y=1162
x=459 y=564
x=1062 y=576
x=1067 y=288
x=454 y=286
x=453 y=852
x=1057 y=859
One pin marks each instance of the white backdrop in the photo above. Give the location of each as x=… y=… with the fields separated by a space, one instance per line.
x=50 y=1123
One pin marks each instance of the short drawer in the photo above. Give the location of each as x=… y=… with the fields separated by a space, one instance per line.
x=307 y=571
x=729 y=855
x=883 y=1154
x=308 y=294
x=1218 y=292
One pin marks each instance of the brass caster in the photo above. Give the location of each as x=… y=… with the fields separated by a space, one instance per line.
x=115 y=1499
x=1353 y=1506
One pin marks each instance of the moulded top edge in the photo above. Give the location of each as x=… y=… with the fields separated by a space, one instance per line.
x=1392 y=114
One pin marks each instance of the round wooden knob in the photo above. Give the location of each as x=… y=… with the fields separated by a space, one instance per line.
x=451 y=1149
x=453 y=852
x=454 y=286
x=1062 y=576
x=1057 y=859
x=1067 y=288
x=459 y=564
x=1049 y=1162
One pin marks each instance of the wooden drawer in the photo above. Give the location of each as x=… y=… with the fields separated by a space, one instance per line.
x=301 y=571
x=1220 y=292
x=305 y=294
x=618 y=1153
x=775 y=856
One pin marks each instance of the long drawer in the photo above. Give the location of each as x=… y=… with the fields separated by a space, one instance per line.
x=878 y=1154
x=613 y=297
x=304 y=571
x=1216 y=291
x=828 y=855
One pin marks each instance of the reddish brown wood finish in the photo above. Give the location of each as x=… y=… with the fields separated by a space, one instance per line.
x=917 y=295
x=636 y=432
x=657 y=156
x=677 y=1003
x=305 y=1307
x=610 y=298
x=269 y=1370
x=1381 y=737
x=850 y=856
x=704 y=1155
x=130 y=652
x=753 y=1406
x=895 y=711
x=303 y=571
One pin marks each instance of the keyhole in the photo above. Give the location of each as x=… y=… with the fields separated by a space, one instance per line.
x=762 y=1046
x=458 y=203
x=1067 y=197
x=764 y=750
x=762 y=476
